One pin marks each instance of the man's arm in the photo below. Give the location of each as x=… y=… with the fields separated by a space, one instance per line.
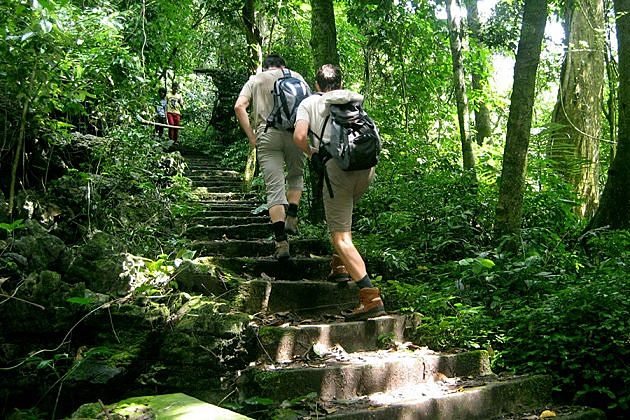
x=300 y=137
x=240 y=109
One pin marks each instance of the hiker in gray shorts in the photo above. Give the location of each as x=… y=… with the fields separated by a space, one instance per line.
x=347 y=187
x=274 y=148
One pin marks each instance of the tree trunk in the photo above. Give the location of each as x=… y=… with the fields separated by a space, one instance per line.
x=575 y=146
x=459 y=81
x=323 y=33
x=509 y=206
x=612 y=74
x=614 y=208
x=483 y=125
x=324 y=46
x=252 y=35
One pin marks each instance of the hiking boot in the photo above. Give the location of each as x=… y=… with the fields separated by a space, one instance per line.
x=282 y=250
x=370 y=305
x=338 y=272
x=290 y=225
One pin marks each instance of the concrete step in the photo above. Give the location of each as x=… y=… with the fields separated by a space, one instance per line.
x=259 y=247
x=228 y=220
x=476 y=399
x=216 y=188
x=305 y=298
x=206 y=171
x=245 y=231
x=207 y=194
x=351 y=375
x=296 y=268
x=248 y=206
x=216 y=211
x=229 y=204
x=286 y=343
x=202 y=176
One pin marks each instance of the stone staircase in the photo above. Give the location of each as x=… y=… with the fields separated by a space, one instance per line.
x=355 y=369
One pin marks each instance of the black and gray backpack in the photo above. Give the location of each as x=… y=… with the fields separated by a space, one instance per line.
x=354 y=139
x=288 y=92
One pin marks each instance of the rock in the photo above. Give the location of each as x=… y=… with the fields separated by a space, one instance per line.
x=169 y=406
x=98 y=264
x=42 y=250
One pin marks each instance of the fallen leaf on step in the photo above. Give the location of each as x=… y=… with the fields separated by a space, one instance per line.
x=546 y=414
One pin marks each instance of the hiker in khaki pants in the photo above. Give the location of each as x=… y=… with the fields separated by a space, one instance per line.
x=275 y=148
x=348 y=187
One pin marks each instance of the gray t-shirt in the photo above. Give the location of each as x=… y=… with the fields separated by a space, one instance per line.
x=259 y=90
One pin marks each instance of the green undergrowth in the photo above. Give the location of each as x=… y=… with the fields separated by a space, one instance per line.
x=557 y=304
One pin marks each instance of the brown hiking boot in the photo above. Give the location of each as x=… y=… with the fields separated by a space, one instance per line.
x=370 y=305
x=282 y=250
x=290 y=225
x=338 y=272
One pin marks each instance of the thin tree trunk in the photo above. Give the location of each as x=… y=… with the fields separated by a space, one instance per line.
x=405 y=98
x=459 y=81
x=18 y=153
x=575 y=146
x=612 y=74
x=483 y=124
x=510 y=204
x=324 y=46
x=323 y=33
x=252 y=35
x=614 y=208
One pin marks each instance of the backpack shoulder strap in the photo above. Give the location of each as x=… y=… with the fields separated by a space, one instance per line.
x=286 y=72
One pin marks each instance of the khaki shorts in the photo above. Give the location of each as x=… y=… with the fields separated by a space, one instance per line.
x=273 y=149
x=347 y=187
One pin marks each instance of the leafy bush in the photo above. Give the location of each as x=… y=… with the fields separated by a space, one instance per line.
x=580 y=335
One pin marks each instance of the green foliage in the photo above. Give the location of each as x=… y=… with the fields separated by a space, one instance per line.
x=579 y=335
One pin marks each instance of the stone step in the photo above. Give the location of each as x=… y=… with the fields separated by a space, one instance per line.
x=236 y=184
x=203 y=176
x=201 y=170
x=245 y=231
x=214 y=211
x=228 y=220
x=216 y=188
x=305 y=298
x=229 y=204
x=257 y=248
x=459 y=400
x=206 y=194
x=296 y=268
x=357 y=374
x=285 y=343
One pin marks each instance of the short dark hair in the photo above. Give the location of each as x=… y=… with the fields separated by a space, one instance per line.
x=273 y=60
x=162 y=91
x=328 y=77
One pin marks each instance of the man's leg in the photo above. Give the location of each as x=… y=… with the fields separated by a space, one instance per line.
x=294 y=159
x=342 y=242
x=271 y=160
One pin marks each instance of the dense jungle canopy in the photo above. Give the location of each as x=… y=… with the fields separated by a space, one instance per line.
x=500 y=214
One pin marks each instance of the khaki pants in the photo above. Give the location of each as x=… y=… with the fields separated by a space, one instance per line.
x=275 y=148
x=347 y=188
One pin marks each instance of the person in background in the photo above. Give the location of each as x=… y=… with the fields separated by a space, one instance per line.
x=160 y=112
x=348 y=186
x=275 y=148
x=174 y=105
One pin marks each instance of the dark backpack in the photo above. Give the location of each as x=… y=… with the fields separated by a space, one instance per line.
x=288 y=92
x=354 y=140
